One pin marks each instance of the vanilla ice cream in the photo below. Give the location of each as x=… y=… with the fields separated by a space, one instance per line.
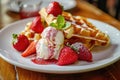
x=49 y=45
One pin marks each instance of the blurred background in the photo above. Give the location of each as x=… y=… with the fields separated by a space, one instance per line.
x=111 y=7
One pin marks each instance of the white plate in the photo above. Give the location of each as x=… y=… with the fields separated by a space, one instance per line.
x=102 y=56
x=13 y=5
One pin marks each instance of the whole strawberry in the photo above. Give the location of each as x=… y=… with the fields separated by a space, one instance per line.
x=67 y=56
x=37 y=25
x=54 y=8
x=83 y=52
x=20 y=42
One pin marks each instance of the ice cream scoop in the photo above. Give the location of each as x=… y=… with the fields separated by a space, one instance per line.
x=50 y=44
x=53 y=35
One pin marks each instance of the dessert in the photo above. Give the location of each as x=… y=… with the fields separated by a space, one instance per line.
x=20 y=42
x=50 y=44
x=58 y=37
x=80 y=29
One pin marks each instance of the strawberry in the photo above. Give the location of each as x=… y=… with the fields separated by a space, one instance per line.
x=20 y=42
x=31 y=49
x=37 y=25
x=83 y=52
x=54 y=8
x=67 y=56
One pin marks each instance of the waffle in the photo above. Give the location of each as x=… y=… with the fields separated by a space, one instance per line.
x=80 y=30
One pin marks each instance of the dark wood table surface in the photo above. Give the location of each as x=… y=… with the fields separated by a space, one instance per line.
x=11 y=72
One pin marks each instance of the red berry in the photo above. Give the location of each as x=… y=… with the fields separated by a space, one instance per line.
x=20 y=42
x=67 y=56
x=37 y=25
x=83 y=52
x=54 y=8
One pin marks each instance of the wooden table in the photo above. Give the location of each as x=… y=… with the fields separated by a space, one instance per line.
x=10 y=72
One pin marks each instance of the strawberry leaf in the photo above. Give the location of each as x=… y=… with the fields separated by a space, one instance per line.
x=14 y=40
x=72 y=47
x=14 y=35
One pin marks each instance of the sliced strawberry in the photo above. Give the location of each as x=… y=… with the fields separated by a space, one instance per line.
x=54 y=8
x=31 y=49
x=67 y=56
x=20 y=42
x=83 y=52
x=37 y=25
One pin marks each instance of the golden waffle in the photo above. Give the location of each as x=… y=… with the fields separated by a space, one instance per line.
x=80 y=30
x=85 y=30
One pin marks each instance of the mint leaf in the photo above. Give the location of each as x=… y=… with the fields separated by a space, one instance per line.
x=67 y=24
x=53 y=25
x=60 y=21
